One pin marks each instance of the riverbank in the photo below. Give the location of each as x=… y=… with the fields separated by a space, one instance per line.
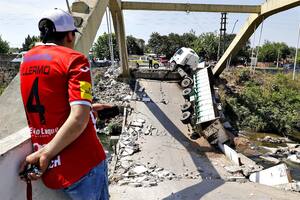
x=261 y=102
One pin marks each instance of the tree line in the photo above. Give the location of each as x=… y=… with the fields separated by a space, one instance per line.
x=205 y=45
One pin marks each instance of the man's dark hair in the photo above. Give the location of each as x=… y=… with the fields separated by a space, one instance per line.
x=48 y=32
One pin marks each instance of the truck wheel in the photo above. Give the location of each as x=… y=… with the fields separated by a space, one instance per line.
x=186 y=93
x=173 y=65
x=156 y=66
x=137 y=65
x=195 y=136
x=187 y=106
x=186 y=117
x=186 y=82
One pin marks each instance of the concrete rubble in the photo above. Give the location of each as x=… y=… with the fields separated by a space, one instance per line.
x=291 y=152
x=276 y=140
x=295 y=186
x=279 y=175
x=108 y=89
x=135 y=174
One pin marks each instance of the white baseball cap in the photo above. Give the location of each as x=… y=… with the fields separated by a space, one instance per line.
x=62 y=20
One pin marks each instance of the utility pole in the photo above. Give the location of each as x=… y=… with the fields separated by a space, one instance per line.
x=234 y=26
x=110 y=41
x=229 y=60
x=258 y=46
x=252 y=63
x=278 y=57
x=222 y=40
x=296 y=54
x=68 y=5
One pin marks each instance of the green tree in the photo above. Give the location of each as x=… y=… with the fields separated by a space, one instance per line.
x=135 y=46
x=168 y=44
x=188 y=38
x=270 y=51
x=4 y=46
x=141 y=44
x=14 y=50
x=101 y=47
x=154 y=43
x=206 y=46
x=29 y=42
x=243 y=54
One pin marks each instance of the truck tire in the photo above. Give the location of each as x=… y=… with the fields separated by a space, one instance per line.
x=186 y=117
x=173 y=66
x=186 y=82
x=187 y=92
x=156 y=66
x=195 y=136
x=187 y=106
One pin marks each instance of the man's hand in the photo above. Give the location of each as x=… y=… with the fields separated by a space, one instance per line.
x=68 y=132
x=40 y=159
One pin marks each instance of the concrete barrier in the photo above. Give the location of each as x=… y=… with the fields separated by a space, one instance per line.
x=13 y=150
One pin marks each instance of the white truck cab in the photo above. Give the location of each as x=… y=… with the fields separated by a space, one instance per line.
x=185 y=56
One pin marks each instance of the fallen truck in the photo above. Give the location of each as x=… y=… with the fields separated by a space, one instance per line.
x=200 y=109
x=203 y=111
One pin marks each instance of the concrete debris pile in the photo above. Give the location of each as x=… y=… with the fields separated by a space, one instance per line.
x=129 y=171
x=294 y=187
x=278 y=175
x=237 y=174
x=274 y=140
x=139 y=175
x=108 y=90
x=291 y=152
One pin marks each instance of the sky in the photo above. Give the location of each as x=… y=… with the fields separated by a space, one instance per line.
x=18 y=18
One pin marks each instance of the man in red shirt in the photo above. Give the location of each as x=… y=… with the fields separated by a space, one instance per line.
x=56 y=92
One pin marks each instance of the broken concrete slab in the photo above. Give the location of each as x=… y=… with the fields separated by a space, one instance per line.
x=270 y=159
x=276 y=140
x=292 y=146
x=139 y=169
x=270 y=149
x=276 y=175
x=137 y=124
x=141 y=121
x=127 y=98
x=294 y=158
x=233 y=169
x=230 y=154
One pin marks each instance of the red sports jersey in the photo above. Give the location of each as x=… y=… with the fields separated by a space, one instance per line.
x=52 y=79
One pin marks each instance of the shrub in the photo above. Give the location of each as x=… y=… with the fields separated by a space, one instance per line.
x=266 y=103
